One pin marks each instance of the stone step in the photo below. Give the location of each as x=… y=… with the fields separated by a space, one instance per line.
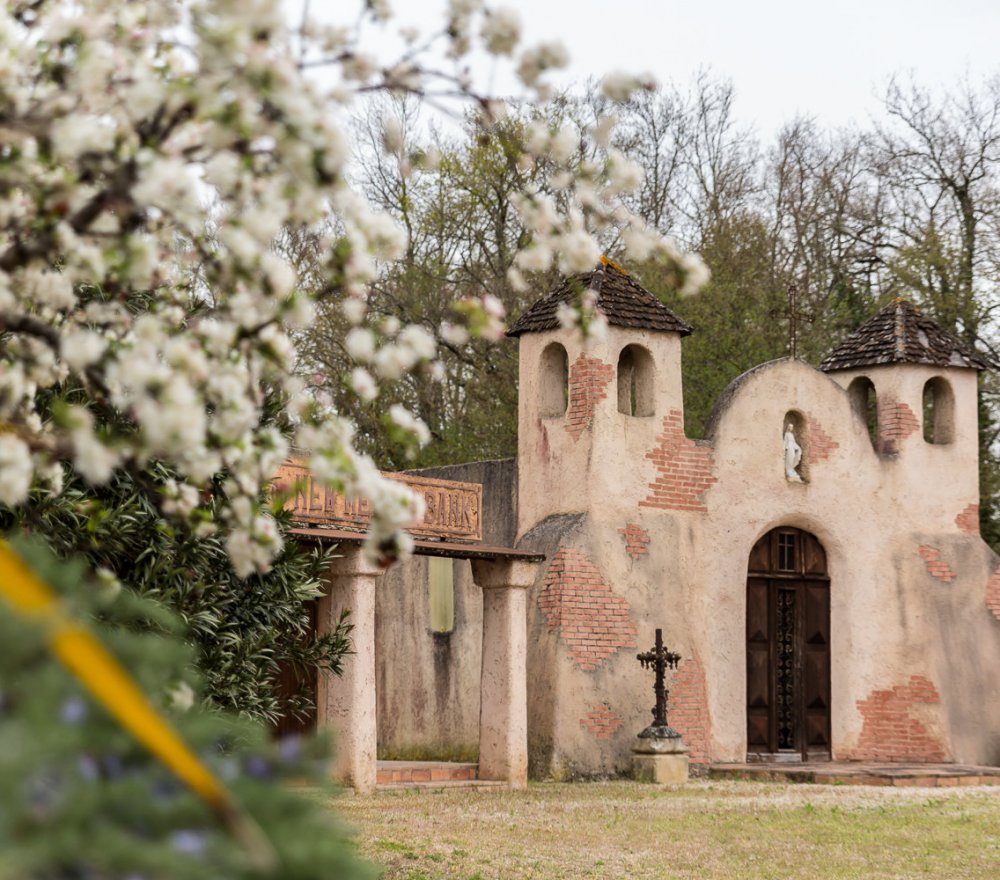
x=425 y=772
x=851 y=773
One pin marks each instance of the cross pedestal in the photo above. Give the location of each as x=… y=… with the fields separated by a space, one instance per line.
x=660 y=760
x=659 y=754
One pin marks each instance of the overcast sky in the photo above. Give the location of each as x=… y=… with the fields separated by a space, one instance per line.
x=826 y=59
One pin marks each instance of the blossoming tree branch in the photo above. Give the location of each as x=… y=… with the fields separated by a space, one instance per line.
x=150 y=154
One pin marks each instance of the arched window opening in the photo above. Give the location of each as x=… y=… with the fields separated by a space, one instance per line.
x=795 y=440
x=864 y=402
x=554 y=385
x=939 y=411
x=635 y=381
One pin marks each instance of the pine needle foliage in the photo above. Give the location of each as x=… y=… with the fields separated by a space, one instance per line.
x=80 y=798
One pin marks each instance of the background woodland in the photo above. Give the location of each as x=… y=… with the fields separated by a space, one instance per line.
x=905 y=206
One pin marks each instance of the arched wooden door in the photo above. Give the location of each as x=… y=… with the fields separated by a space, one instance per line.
x=788 y=648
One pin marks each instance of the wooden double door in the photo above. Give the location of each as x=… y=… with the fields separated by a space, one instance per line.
x=788 y=648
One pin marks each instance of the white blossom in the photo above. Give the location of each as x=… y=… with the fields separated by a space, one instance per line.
x=696 y=274
x=75 y=135
x=455 y=334
x=252 y=548
x=181 y=696
x=153 y=154
x=81 y=348
x=48 y=288
x=565 y=142
x=392 y=136
x=360 y=344
x=501 y=30
x=420 y=341
x=354 y=309
x=578 y=251
x=538 y=59
x=619 y=85
x=404 y=419
x=567 y=316
x=537 y=258
x=392 y=361
x=16 y=470
x=363 y=384
x=624 y=175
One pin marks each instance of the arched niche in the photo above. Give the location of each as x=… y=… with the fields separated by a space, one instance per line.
x=797 y=422
x=635 y=381
x=553 y=386
x=939 y=411
x=864 y=403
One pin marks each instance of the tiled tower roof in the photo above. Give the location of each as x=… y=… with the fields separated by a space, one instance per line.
x=624 y=301
x=899 y=334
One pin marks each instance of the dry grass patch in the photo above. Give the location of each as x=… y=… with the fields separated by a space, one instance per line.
x=704 y=830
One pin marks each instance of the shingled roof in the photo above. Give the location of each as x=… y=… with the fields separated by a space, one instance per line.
x=624 y=301
x=899 y=334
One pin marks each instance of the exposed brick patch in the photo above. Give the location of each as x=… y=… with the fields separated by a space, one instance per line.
x=821 y=444
x=687 y=708
x=896 y=422
x=993 y=593
x=588 y=383
x=968 y=520
x=683 y=468
x=890 y=732
x=935 y=565
x=636 y=539
x=591 y=619
x=601 y=721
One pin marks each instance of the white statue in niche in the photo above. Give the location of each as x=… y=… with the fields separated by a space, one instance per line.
x=793 y=455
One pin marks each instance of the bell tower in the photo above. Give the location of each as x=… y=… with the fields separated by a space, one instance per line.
x=913 y=385
x=590 y=408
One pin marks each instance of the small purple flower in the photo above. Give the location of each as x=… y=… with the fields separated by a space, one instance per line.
x=257 y=767
x=188 y=842
x=73 y=710
x=290 y=748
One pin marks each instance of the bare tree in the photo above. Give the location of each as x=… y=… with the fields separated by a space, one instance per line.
x=939 y=159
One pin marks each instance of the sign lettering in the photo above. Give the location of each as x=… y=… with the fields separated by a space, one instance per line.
x=451 y=509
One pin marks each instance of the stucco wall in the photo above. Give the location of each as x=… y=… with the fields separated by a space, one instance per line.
x=428 y=683
x=669 y=523
x=645 y=528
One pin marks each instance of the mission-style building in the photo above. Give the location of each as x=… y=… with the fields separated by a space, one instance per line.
x=815 y=560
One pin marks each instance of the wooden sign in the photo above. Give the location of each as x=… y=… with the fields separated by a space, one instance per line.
x=451 y=509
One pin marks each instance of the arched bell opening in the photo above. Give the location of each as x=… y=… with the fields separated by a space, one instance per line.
x=635 y=381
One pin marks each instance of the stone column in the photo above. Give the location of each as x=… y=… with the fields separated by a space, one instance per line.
x=345 y=705
x=503 y=695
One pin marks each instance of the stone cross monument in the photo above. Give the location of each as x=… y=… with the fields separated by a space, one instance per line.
x=659 y=754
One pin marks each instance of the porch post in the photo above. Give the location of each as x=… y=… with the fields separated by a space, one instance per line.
x=346 y=704
x=503 y=696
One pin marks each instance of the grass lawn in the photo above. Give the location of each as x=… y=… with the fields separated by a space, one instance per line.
x=703 y=830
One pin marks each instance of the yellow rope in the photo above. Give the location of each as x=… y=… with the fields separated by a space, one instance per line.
x=111 y=685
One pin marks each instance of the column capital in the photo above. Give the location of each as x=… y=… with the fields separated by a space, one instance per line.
x=351 y=561
x=503 y=573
